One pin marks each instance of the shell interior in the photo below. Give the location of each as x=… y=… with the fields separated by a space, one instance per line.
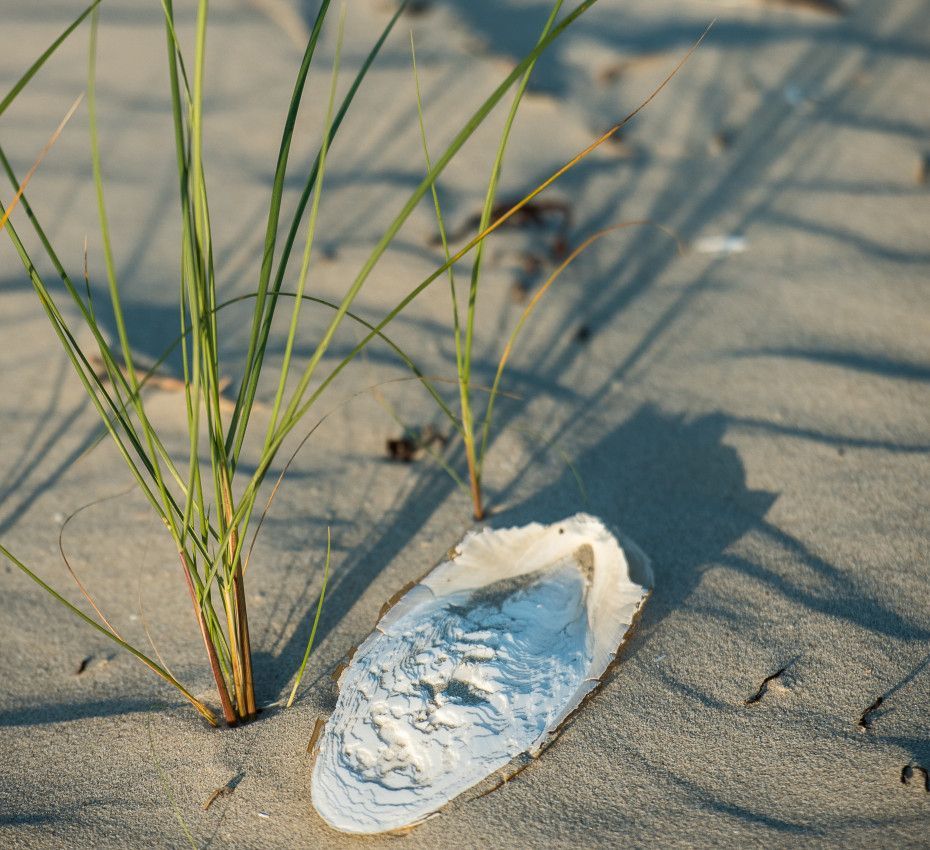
x=480 y=661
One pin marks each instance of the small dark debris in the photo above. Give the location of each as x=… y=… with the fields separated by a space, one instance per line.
x=908 y=776
x=403 y=449
x=559 y=248
x=537 y=214
x=582 y=335
x=413 y=443
x=416 y=8
x=763 y=688
x=922 y=174
x=841 y=451
x=223 y=790
x=865 y=721
x=315 y=735
x=531 y=264
x=82 y=666
x=519 y=292
x=721 y=142
x=825 y=7
x=330 y=253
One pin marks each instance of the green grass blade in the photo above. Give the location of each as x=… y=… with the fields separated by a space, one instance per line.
x=174 y=47
x=292 y=414
x=490 y=196
x=255 y=353
x=311 y=232
x=101 y=205
x=316 y=618
x=456 y=327
x=238 y=426
x=23 y=81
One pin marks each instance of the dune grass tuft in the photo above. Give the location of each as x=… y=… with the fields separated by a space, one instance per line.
x=475 y=432
x=208 y=518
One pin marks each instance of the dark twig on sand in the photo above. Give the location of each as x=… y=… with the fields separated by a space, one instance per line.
x=865 y=721
x=764 y=687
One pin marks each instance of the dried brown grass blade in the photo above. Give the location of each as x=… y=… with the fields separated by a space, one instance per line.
x=48 y=146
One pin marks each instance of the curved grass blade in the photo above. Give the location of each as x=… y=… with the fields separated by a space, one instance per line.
x=140 y=656
x=67 y=562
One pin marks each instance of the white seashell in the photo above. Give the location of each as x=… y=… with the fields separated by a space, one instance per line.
x=480 y=661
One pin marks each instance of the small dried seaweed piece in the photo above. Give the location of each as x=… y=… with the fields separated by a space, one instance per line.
x=908 y=775
x=825 y=7
x=536 y=214
x=317 y=731
x=764 y=687
x=865 y=721
x=408 y=447
x=222 y=791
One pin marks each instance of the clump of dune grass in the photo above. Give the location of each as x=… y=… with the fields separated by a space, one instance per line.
x=474 y=430
x=209 y=519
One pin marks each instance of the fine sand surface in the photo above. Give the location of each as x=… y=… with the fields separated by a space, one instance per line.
x=758 y=421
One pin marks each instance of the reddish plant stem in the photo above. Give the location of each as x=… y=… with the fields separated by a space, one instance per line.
x=245 y=647
x=228 y=711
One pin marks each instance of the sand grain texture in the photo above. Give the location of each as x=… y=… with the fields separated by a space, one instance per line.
x=758 y=422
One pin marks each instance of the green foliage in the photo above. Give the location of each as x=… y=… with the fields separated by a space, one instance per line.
x=208 y=519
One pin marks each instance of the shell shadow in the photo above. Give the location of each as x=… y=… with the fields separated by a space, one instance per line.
x=667 y=484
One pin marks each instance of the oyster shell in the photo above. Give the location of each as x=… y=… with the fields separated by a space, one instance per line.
x=481 y=660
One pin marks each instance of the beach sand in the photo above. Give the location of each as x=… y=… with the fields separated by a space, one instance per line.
x=754 y=413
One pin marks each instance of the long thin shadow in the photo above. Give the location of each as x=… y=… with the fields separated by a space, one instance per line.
x=841 y=441
x=52 y=712
x=41 y=814
x=875 y=364
x=918 y=748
